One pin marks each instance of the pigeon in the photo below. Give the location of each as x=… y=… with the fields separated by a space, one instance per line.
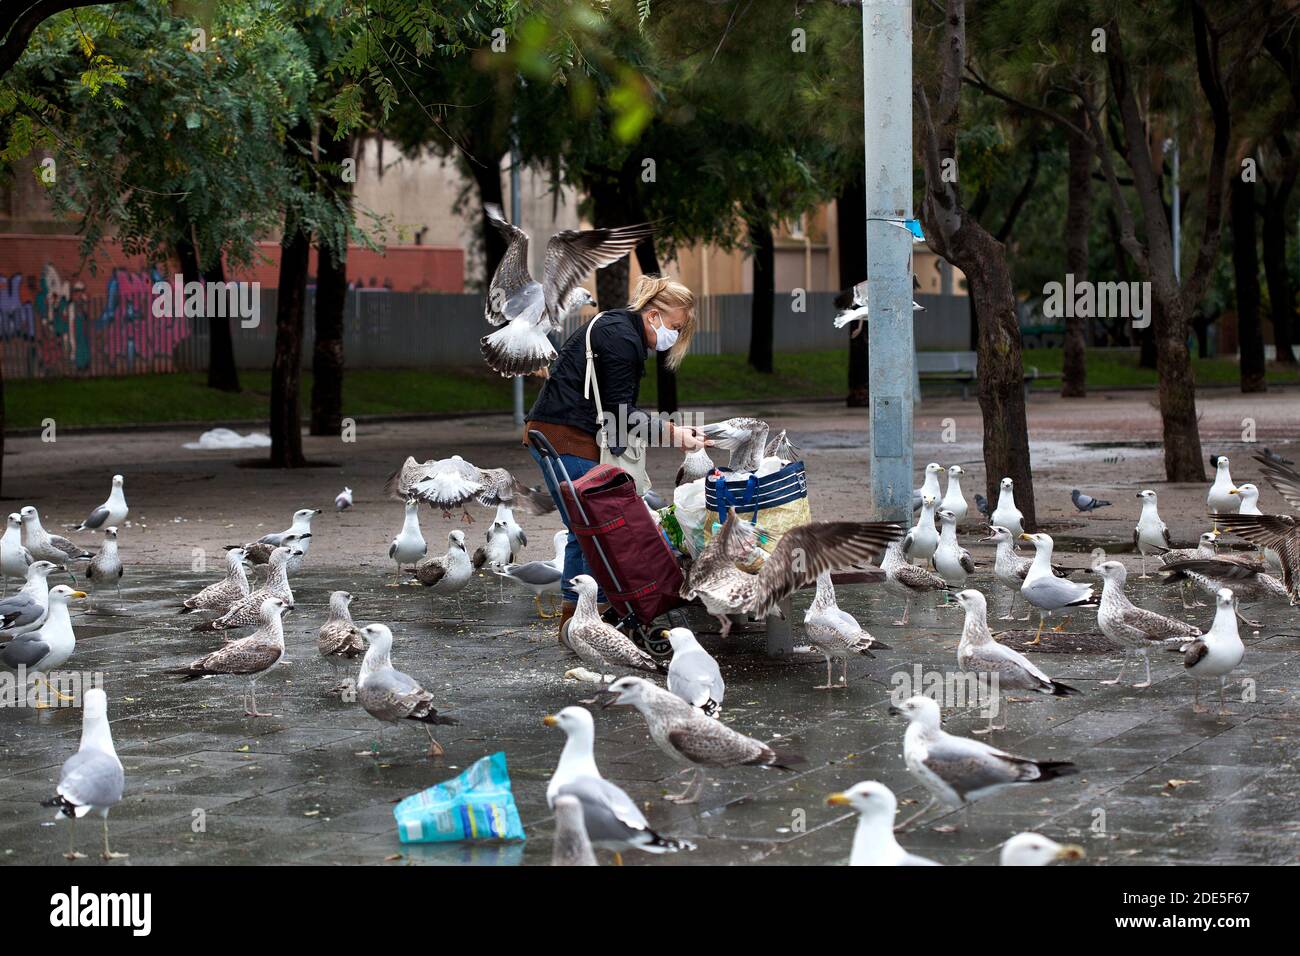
x=873 y=840
x=524 y=310
x=982 y=504
x=1086 y=503
x=111 y=512
x=343 y=500
x=1275 y=457
x=92 y=780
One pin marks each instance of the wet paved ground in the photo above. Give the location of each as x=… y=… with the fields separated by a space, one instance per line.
x=1158 y=784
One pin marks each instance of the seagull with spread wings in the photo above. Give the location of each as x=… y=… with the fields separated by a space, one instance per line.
x=447 y=483
x=525 y=310
x=1279 y=532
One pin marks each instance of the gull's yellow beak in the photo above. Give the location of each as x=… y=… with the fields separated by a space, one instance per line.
x=1235 y=491
x=550 y=720
x=837 y=800
x=78 y=594
x=1071 y=851
x=1025 y=536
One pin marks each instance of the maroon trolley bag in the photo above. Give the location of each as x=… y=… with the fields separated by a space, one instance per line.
x=624 y=547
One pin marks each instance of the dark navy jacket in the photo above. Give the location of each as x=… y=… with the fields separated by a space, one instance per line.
x=620 y=346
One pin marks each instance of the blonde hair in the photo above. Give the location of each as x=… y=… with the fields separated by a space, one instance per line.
x=661 y=292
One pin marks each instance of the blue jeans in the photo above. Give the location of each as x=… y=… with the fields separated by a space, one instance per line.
x=575 y=562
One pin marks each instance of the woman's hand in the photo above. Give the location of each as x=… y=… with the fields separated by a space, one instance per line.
x=690 y=438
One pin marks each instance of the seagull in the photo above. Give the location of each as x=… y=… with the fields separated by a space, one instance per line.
x=259 y=552
x=1151 y=536
x=408 y=547
x=301 y=527
x=1011 y=569
x=835 y=633
x=1006 y=514
x=957 y=770
x=979 y=653
x=929 y=485
x=529 y=309
x=1245 y=575
x=602 y=647
x=745 y=438
x=902 y=577
x=391 y=696
x=1217 y=652
x=803 y=552
x=253 y=656
x=982 y=504
x=540 y=577
x=248 y=611
x=92 y=779
x=1032 y=849
x=1087 y=502
x=495 y=553
x=572 y=846
x=923 y=539
x=782 y=448
x=1279 y=532
x=858 y=311
x=41 y=651
x=222 y=595
x=105 y=566
x=26 y=610
x=518 y=540
x=696 y=465
x=951 y=560
x=1044 y=590
x=447 y=573
x=343 y=500
x=953 y=499
x=613 y=821
x=338 y=638
x=1134 y=628
x=111 y=512
x=1220 y=498
x=453 y=482
x=690 y=737
x=1205 y=549
x=1249 y=495
x=14 y=558
x=874 y=843
x=49 y=547
x=693 y=674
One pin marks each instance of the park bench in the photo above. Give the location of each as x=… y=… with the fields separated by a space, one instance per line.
x=960 y=367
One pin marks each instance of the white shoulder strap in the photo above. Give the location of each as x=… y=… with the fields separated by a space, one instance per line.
x=590 y=388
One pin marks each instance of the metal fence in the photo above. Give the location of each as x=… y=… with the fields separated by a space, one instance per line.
x=382 y=329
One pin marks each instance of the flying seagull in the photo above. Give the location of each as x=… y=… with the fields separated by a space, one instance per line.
x=859 y=309
x=1279 y=532
x=525 y=310
x=745 y=438
x=449 y=483
x=111 y=512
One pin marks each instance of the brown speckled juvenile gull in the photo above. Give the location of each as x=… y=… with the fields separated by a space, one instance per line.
x=603 y=648
x=1134 y=628
x=691 y=737
x=391 y=696
x=338 y=638
x=221 y=596
x=835 y=633
x=745 y=438
x=247 y=611
x=907 y=579
x=253 y=655
x=802 y=553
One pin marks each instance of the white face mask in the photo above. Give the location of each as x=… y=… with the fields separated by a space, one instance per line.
x=665 y=338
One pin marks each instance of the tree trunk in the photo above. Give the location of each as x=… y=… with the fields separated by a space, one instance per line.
x=762 y=326
x=331 y=300
x=851 y=236
x=1078 y=221
x=1281 y=298
x=1177 y=391
x=487 y=176
x=222 y=374
x=1001 y=367
x=1245 y=272
x=286 y=370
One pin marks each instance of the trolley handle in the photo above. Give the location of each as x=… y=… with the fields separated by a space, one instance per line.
x=542 y=444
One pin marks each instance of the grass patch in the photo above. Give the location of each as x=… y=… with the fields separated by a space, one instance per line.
x=702 y=380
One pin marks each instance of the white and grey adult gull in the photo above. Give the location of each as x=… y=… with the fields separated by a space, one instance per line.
x=1033 y=849
x=1011 y=569
x=1044 y=590
x=691 y=737
x=92 y=780
x=14 y=558
x=408 y=546
x=953 y=499
x=1151 y=535
x=1133 y=628
x=957 y=770
x=929 y=485
x=105 y=567
x=259 y=551
x=529 y=310
x=1216 y=653
x=111 y=512
x=874 y=843
x=613 y=820
x=922 y=540
x=835 y=633
x=540 y=577
x=40 y=652
x=1006 y=514
x=951 y=560
x=979 y=653
x=693 y=674
x=25 y=610
x=859 y=310
x=571 y=846
x=49 y=547
x=1220 y=499
x=391 y=696
x=744 y=438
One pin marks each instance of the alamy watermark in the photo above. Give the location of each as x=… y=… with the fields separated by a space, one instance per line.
x=24 y=688
x=213 y=300
x=1102 y=300
x=646 y=431
x=950 y=689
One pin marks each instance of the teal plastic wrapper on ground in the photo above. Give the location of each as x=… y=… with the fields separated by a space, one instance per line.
x=476 y=805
